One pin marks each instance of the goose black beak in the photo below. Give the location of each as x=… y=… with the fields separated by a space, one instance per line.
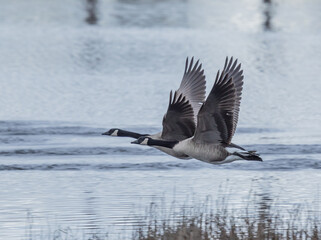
x=135 y=142
x=106 y=133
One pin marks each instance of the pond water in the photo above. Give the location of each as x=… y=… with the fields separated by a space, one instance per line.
x=72 y=70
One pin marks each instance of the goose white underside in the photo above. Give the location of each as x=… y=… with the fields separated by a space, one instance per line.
x=172 y=152
x=168 y=151
x=229 y=159
x=233 y=149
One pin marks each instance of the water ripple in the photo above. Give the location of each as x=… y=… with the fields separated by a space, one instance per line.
x=277 y=164
x=286 y=148
x=105 y=167
x=61 y=151
x=44 y=128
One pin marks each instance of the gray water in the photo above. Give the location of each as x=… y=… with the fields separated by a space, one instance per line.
x=71 y=70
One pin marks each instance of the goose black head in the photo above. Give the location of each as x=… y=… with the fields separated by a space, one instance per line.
x=142 y=141
x=111 y=132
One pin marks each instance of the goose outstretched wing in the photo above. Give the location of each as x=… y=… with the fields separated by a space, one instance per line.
x=218 y=116
x=193 y=85
x=177 y=122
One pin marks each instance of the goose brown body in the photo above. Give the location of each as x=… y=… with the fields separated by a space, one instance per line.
x=211 y=153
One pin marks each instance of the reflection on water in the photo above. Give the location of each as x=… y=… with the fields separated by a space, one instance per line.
x=92 y=7
x=92 y=214
x=267 y=15
x=92 y=53
x=154 y=13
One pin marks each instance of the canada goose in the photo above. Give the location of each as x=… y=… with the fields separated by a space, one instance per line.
x=184 y=104
x=216 y=122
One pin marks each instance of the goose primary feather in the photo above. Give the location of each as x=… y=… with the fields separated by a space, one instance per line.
x=216 y=122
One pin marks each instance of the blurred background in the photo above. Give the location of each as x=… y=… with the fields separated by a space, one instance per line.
x=71 y=70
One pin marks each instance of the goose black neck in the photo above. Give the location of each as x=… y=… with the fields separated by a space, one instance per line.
x=123 y=133
x=162 y=143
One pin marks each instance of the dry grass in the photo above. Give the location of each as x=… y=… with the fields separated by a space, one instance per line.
x=261 y=219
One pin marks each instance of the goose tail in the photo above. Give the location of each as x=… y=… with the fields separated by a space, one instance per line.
x=249 y=155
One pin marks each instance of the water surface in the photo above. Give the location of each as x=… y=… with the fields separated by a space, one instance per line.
x=70 y=71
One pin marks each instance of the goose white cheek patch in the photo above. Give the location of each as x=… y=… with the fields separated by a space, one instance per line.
x=115 y=133
x=144 y=142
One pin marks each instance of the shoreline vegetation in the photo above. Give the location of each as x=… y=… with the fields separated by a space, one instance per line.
x=263 y=219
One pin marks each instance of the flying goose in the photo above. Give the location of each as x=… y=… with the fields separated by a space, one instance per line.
x=216 y=122
x=180 y=119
